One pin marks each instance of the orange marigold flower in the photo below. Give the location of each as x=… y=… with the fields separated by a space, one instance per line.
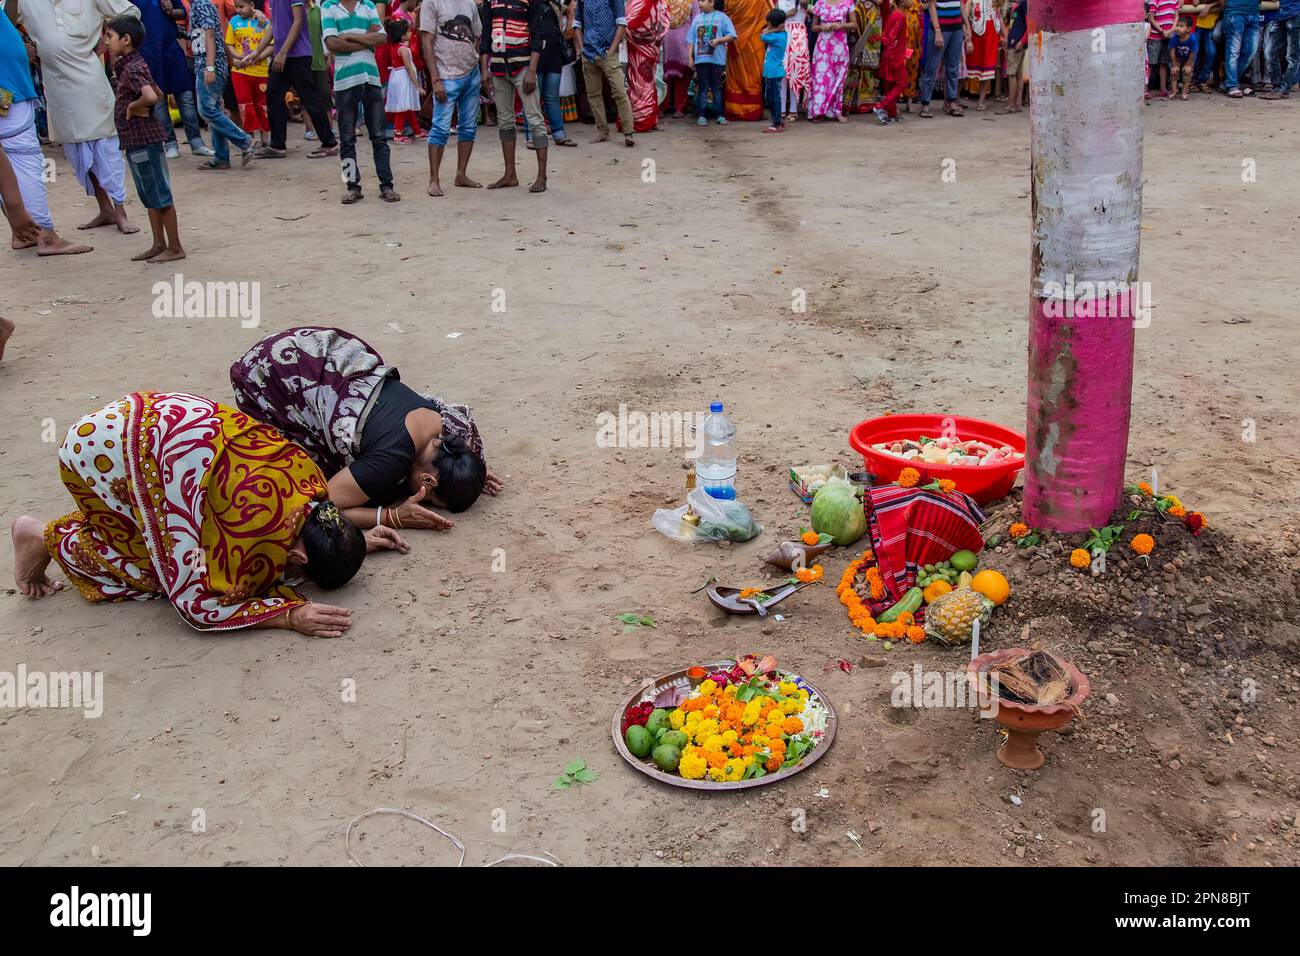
x=1080 y=558
x=916 y=634
x=792 y=725
x=1143 y=543
x=1018 y=530
x=947 y=484
x=905 y=618
x=908 y=477
x=1178 y=511
x=1145 y=488
x=810 y=537
x=715 y=758
x=773 y=764
x=774 y=731
x=750 y=592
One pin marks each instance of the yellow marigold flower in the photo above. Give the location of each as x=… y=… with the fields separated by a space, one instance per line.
x=692 y=766
x=729 y=690
x=750 y=717
x=708 y=687
x=1142 y=543
x=791 y=705
x=787 y=687
x=713 y=744
x=676 y=719
x=716 y=774
x=706 y=729
x=1080 y=558
x=760 y=740
x=693 y=718
x=908 y=477
x=735 y=770
x=1174 y=501
x=1018 y=530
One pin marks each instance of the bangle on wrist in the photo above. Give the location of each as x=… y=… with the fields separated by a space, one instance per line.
x=379 y=517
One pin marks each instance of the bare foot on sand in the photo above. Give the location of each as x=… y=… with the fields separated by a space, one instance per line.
x=19 y=244
x=6 y=330
x=506 y=181
x=52 y=244
x=116 y=217
x=466 y=183
x=103 y=219
x=169 y=255
x=31 y=559
x=435 y=188
x=538 y=186
x=147 y=254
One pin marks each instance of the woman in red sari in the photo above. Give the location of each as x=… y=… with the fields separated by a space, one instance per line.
x=647 y=24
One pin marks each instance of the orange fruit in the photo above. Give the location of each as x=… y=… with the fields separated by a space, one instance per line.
x=992 y=585
x=934 y=589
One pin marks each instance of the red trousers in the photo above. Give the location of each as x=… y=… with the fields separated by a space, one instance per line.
x=676 y=95
x=889 y=103
x=250 y=94
x=401 y=121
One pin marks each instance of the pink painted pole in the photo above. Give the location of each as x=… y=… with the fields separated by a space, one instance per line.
x=1086 y=79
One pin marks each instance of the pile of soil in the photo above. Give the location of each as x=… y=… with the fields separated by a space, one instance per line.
x=1207 y=597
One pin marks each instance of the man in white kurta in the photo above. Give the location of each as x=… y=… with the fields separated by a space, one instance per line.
x=78 y=96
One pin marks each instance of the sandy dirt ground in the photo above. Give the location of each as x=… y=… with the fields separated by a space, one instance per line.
x=474 y=687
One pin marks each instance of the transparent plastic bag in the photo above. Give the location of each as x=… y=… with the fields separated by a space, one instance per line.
x=720 y=520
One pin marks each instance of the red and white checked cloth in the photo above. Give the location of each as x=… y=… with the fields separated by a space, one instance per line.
x=910 y=527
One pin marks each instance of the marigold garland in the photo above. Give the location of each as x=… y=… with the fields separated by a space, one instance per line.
x=1142 y=544
x=908 y=477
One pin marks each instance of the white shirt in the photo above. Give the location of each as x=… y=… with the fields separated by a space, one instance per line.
x=77 y=92
x=794 y=12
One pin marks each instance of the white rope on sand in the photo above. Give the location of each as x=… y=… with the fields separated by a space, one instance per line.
x=347 y=839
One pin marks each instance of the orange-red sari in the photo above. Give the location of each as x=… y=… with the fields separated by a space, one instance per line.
x=744 y=93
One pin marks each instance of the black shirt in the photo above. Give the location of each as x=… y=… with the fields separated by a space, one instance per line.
x=387 y=451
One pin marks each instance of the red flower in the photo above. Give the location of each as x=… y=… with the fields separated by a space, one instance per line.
x=637 y=714
x=1195 y=521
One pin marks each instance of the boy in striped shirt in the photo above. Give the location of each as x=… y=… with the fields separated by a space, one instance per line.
x=351 y=31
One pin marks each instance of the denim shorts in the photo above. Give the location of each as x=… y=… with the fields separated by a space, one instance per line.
x=462 y=96
x=149 y=170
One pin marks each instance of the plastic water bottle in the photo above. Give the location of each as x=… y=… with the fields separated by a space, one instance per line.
x=716 y=466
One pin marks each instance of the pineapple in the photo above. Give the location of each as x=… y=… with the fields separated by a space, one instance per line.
x=950 y=619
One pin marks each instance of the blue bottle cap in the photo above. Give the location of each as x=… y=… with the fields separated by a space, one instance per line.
x=715 y=407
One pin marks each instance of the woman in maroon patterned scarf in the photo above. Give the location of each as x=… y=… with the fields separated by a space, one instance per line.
x=391 y=453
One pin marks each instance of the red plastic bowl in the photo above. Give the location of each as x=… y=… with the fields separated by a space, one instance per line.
x=983 y=483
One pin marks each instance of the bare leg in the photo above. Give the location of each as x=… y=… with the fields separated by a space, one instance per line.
x=109 y=213
x=6 y=330
x=159 y=243
x=435 y=161
x=50 y=243
x=539 y=184
x=463 y=150
x=31 y=559
x=172 y=229
x=509 y=178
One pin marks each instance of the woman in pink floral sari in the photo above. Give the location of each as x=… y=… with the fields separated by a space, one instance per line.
x=832 y=20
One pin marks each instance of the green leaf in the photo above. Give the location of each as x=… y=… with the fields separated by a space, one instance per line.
x=586 y=776
x=648 y=621
x=1134 y=515
x=562 y=783
x=630 y=618
x=574 y=765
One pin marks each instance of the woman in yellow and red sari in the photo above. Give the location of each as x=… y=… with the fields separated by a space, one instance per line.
x=180 y=497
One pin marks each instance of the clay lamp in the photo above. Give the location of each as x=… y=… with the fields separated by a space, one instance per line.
x=1024 y=722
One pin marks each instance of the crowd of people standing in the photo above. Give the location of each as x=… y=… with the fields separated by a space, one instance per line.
x=104 y=77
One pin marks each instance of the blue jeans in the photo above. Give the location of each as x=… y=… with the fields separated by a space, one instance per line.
x=212 y=108
x=1271 y=42
x=1290 y=30
x=189 y=118
x=548 y=88
x=708 y=90
x=949 y=57
x=1241 y=40
x=462 y=96
x=772 y=98
x=1208 y=49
